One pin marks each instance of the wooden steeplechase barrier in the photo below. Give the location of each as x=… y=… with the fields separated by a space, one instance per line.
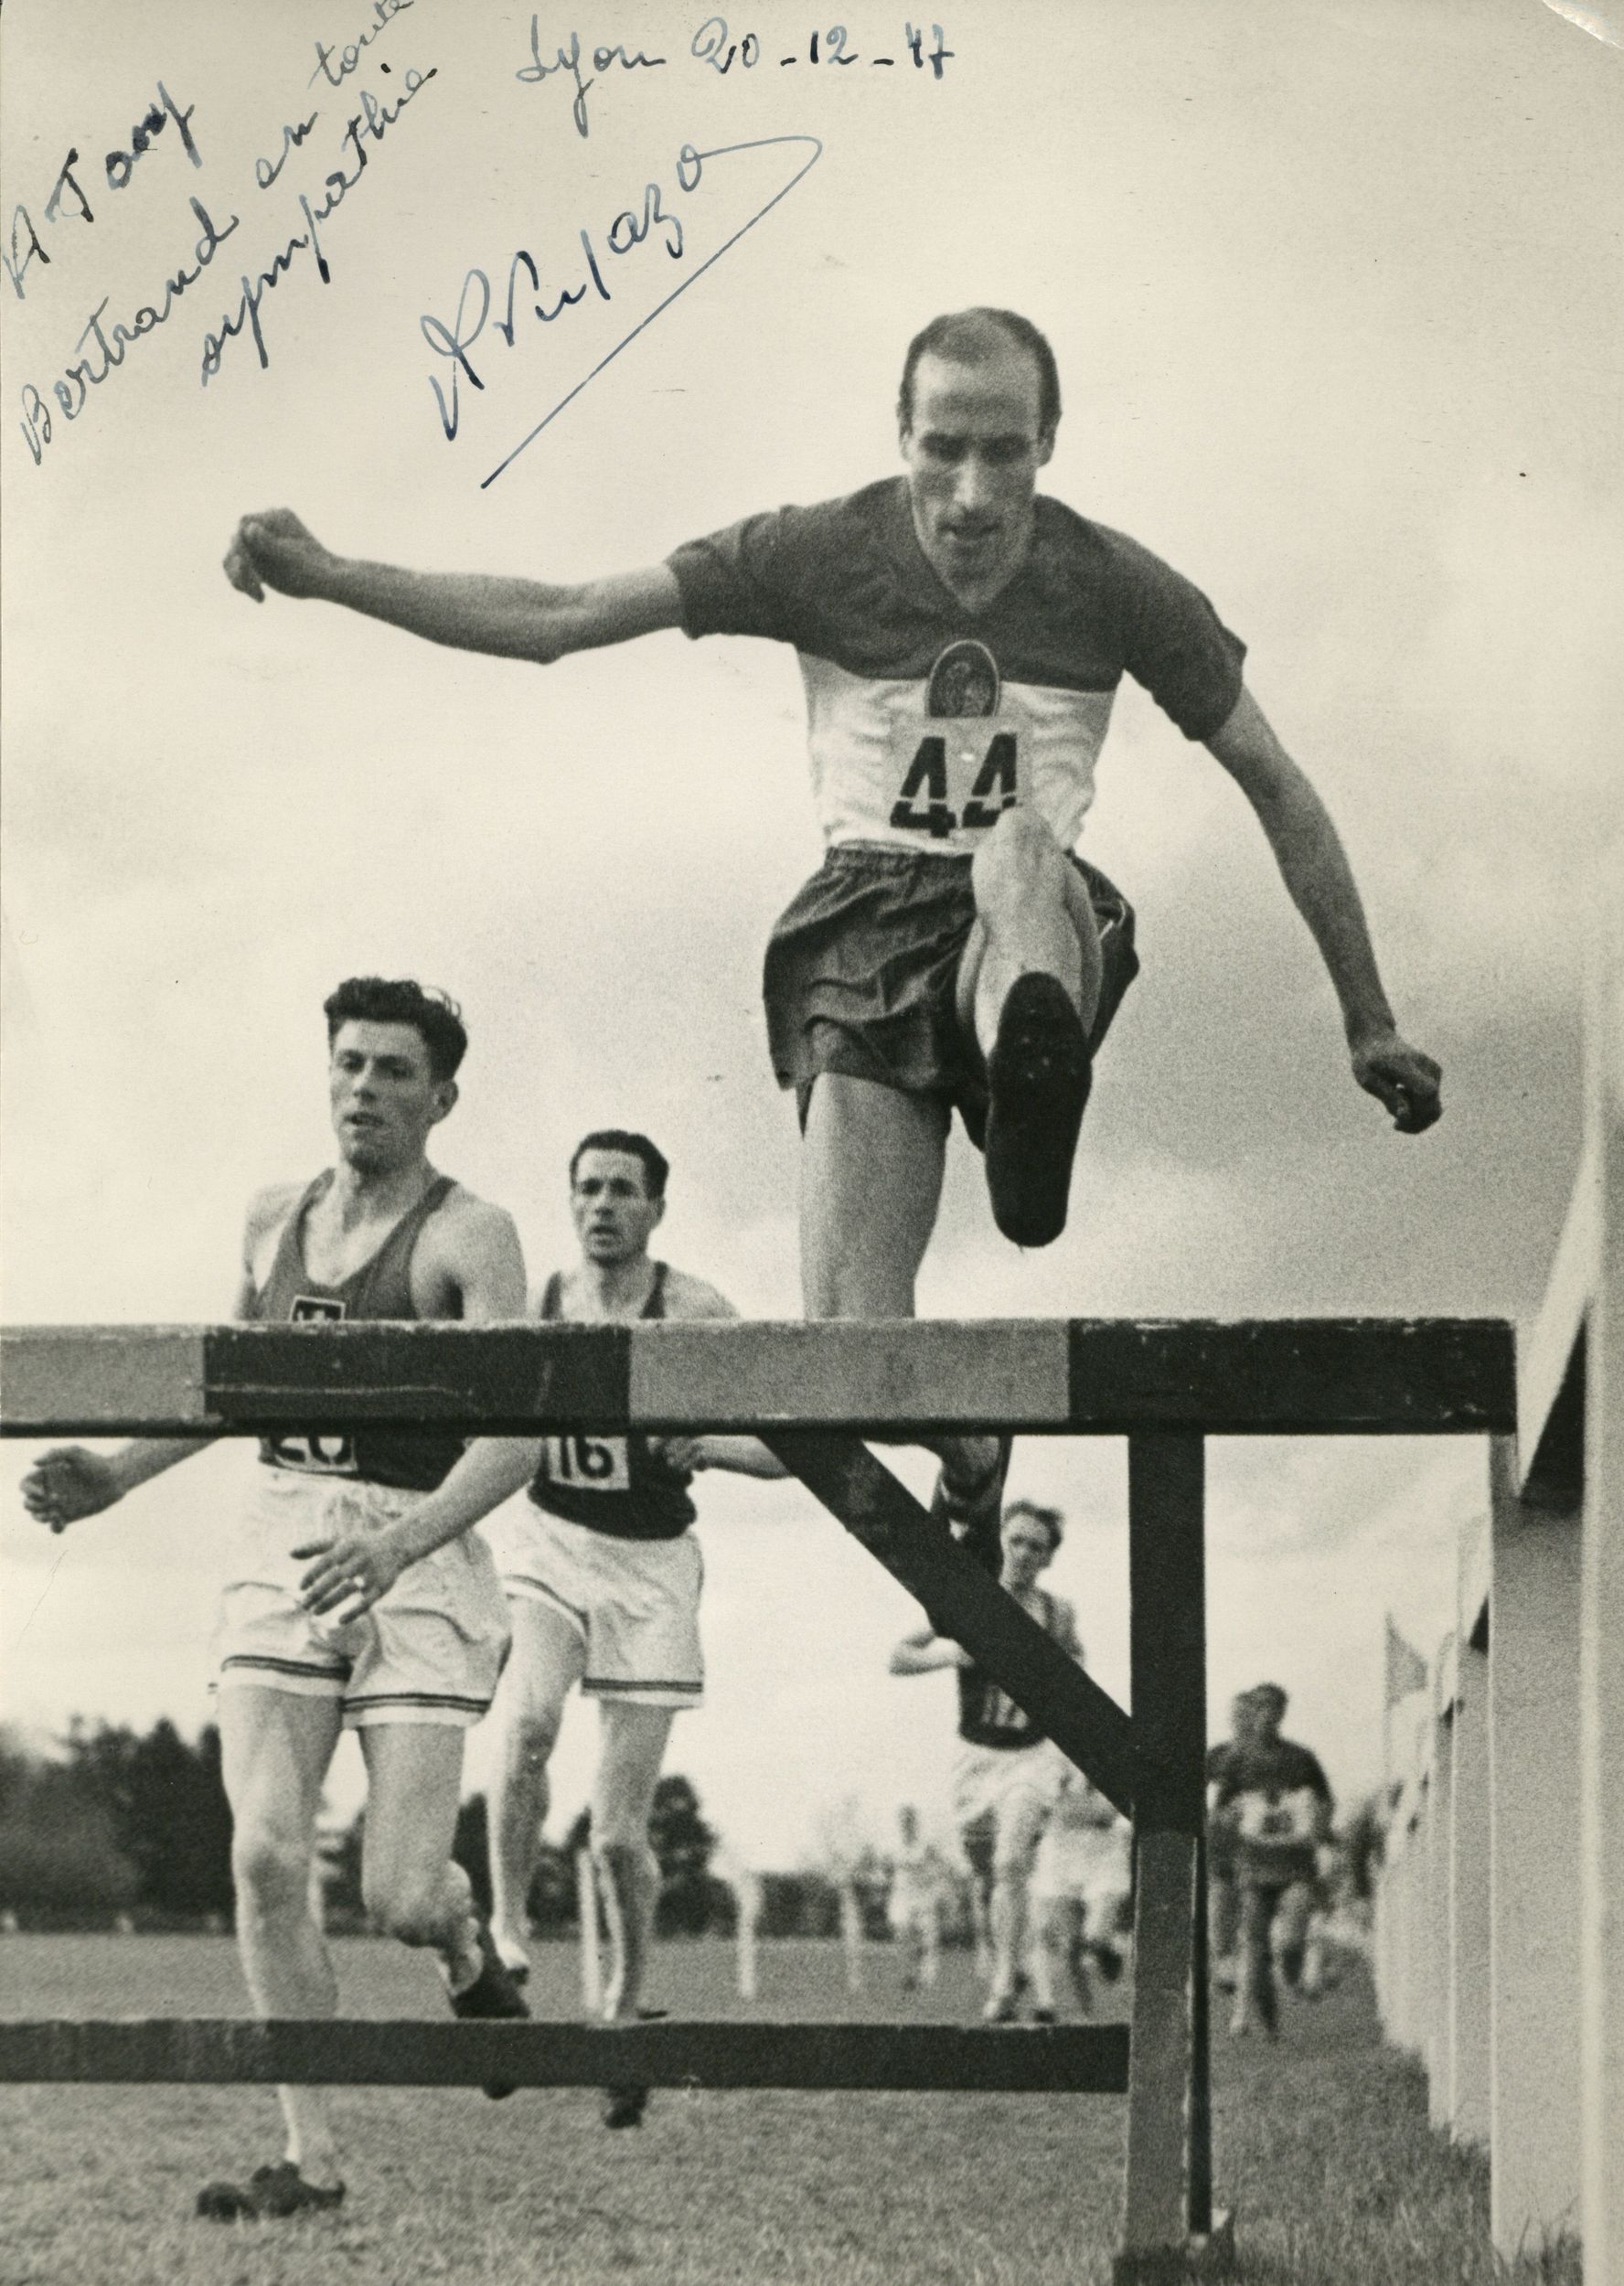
x=1499 y=1928
x=812 y=1391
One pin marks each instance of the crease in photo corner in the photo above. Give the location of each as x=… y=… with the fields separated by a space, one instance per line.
x=726 y=150
x=1603 y=19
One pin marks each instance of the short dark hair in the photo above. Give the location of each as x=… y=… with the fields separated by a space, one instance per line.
x=434 y=1016
x=656 y=1167
x=962 y=335
x=1269 y=1691
x=1050 y=1518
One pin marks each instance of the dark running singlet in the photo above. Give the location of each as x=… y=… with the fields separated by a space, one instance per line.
x=412 y=1460
x=612 y=1484
x=926 y=720
x=988 y=1716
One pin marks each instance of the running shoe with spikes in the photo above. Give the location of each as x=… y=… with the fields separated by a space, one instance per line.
x=624 y=2106
x=270 y=2194
x=1038 y=1078
x=493 y=1996
x=976 y=1514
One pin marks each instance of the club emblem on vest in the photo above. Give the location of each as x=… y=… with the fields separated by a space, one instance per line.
x=965 y=680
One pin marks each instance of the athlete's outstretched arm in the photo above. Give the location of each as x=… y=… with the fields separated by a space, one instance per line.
x=694 y=1301
x=1315 y=868
x=924 y=1651
x=505 y=618
x=70 y=1481
x=741 y=1456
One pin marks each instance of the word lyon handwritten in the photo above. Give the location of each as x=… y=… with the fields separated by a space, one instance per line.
x=709 y=44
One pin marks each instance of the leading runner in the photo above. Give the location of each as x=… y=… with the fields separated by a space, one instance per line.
x=960 y=638
x=356 y=1597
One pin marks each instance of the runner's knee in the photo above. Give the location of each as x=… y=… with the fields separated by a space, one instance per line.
x=532 y=1735
x=270 y=1866
x=1020 y=857
x=1012 y=1859
x=410 y=1906
x=621 y=1850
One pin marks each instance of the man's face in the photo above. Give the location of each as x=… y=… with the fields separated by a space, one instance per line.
x=1267 y=1714
x=1243 y=1716
x=615 y=1216
x=383 y=1094
x=1027 y=1549
x=973 y=450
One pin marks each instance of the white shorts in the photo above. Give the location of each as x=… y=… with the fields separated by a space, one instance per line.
x=1090 y=1863
x=428 y=1651
x=1013 y=1787
x=635 y=1603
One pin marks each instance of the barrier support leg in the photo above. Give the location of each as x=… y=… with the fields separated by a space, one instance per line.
x=1533 y=1749
x=1169 y=2227
x=1440 y=1825
x=1469 y=1979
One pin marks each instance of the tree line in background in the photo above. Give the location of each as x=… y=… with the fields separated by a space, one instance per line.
x=135 y=1825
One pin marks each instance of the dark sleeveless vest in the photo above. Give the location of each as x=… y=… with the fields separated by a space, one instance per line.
x=988 y=1716
x=413 y=1459
x=612 y=1484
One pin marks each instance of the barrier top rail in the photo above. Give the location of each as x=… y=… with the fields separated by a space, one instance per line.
x=1295 y=1376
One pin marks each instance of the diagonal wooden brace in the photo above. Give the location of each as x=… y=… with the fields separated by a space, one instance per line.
x=965 y=1604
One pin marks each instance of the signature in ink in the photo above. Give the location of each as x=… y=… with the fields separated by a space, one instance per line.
x=630 y=229
x=568 y=59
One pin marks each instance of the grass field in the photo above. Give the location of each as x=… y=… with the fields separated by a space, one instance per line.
x=1322 y=2149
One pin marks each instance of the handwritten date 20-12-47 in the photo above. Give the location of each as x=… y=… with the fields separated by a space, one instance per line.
x=715 y=46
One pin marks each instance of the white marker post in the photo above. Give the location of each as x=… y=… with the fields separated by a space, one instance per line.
x=747 y=1895
x=851 y=1935
x=586 y=1899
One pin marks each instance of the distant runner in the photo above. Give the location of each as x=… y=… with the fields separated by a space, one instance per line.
x=1279 y=1803
x=1009 y=1775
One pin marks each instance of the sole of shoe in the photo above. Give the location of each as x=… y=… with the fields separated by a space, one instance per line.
x=1038 y=1078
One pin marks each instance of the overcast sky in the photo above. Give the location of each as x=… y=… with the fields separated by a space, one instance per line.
x=1334 y=294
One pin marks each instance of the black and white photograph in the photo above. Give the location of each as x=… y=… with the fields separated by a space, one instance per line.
x=868 y=771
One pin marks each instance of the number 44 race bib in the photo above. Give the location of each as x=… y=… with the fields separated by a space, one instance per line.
x=957 y=770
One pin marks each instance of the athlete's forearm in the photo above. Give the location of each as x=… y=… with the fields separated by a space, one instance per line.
x=1315 y=868
x=490 y=1471
x=923 y=1655
x=1313 y=864
x=144 y=1457
x=504 y=618
x=743 y=1455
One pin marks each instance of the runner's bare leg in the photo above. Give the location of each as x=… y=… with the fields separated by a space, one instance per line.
x=546 y=1660
x=275 y=1747
x=632 y=1748
x=871 y=1166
